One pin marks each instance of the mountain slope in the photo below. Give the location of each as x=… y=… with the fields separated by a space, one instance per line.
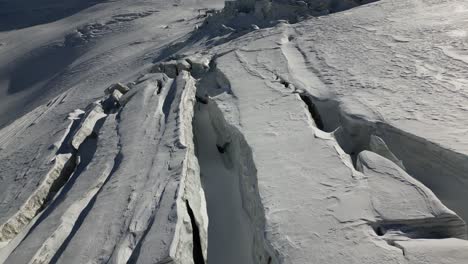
x=168 y=132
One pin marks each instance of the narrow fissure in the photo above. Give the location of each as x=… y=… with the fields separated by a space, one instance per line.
x=440 y=169
x=79 y=160
x=351 y=144
x=65 y=174
x=160 y=87
x=88 y=148
x=72 y=156
x=77 y=163
x=197 y=248
x=166 y=108
x=313 y=111
x=394 y=231
x=416 y=229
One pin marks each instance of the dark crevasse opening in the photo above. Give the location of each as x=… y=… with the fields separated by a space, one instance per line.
x=230 y=235
x=439 y=169
x=419 y=228
x=197 y=249
x=326 y=117
x=313 y=111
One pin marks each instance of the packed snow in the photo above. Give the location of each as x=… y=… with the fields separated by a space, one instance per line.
x=237 y=131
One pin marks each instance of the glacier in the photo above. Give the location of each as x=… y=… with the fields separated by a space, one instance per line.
x=210 y=131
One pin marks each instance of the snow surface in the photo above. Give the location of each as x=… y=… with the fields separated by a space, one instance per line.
x=154 y=131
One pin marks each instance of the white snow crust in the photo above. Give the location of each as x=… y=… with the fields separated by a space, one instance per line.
x=267 y=132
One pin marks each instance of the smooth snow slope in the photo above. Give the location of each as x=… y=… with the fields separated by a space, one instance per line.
x=337 y=139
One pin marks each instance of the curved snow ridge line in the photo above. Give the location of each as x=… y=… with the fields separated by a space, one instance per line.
x=353 y=130
x=419 y=215
x=64 y=165
x=357 y=128
x=443 y=171
x=191 y=203
x=393 y=221
x=356 y=135
x=241 y=158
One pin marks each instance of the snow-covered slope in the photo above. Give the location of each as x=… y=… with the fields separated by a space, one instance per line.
x=167 y=132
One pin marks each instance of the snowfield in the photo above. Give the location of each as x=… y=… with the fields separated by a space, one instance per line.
x=264 y=132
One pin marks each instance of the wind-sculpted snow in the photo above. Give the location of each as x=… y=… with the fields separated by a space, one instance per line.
x=169 y=132
x=420 y=215
x=142 y=193
x=265 y=85
x=61 y=166
x=363 y=96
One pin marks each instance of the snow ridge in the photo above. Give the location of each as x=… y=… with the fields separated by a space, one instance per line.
x=64 y=162
x=232 y=147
